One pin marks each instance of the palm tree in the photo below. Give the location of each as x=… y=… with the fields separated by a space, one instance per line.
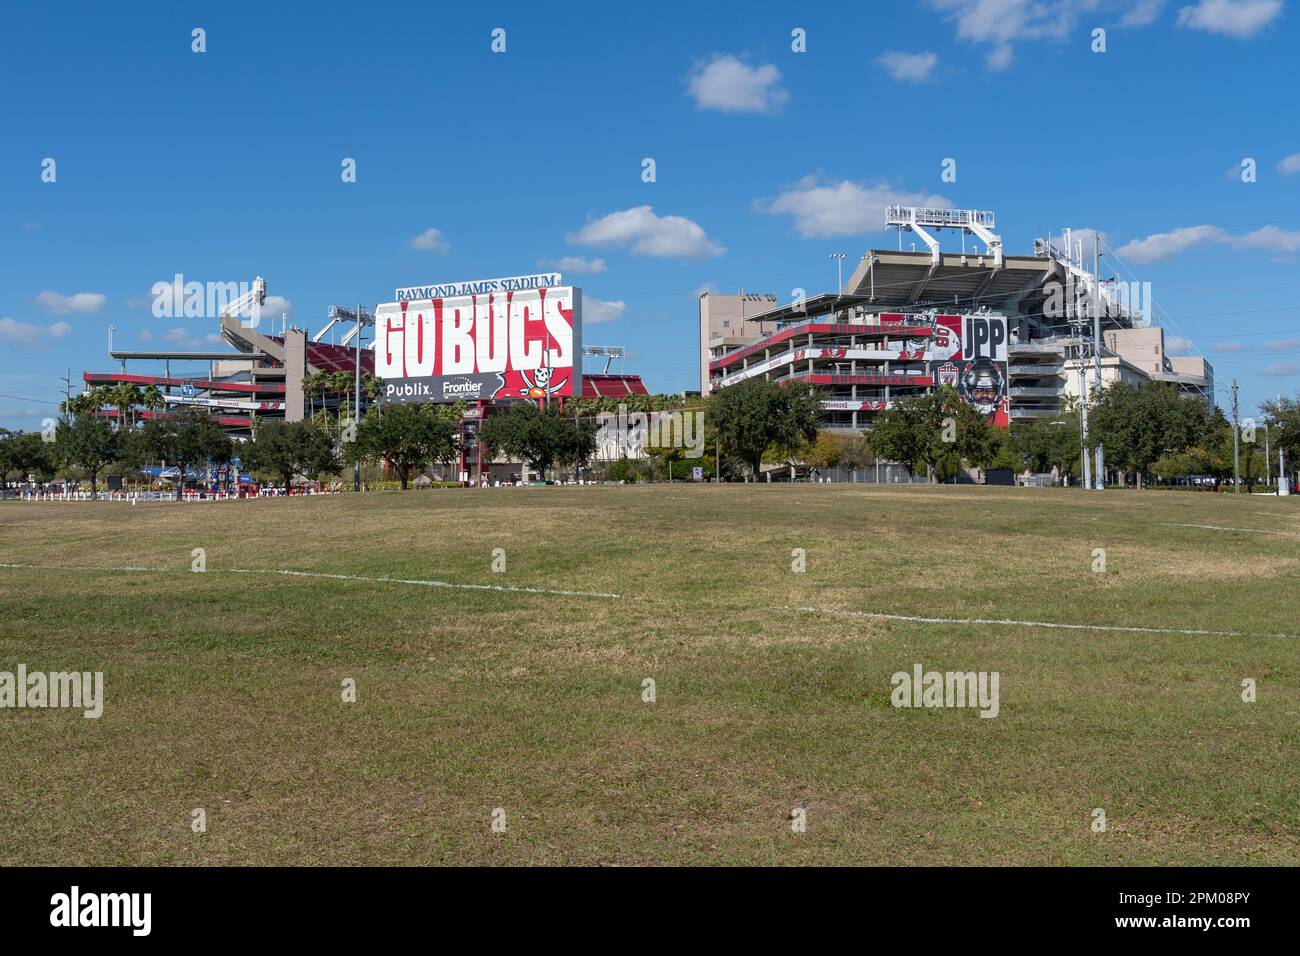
x=152 y=398
x=125 y=396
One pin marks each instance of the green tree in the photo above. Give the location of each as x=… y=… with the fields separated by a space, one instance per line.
x=1283 y=418
x=1047 y=443
x=185 y=439
x=89 y=443
x=152 y=398
x=1137 y=424
x=938 y=430
x=541 y=438
x=286 y=449
x=409 y=437
x=755 y=415
x=823 y=452
x=26 y=453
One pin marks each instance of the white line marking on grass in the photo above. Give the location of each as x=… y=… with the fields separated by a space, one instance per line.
x=421 y=583
x=876 y=615
x=1211 y=527
x=322 y=574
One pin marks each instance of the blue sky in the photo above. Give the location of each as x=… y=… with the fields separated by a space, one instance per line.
x=226 y=164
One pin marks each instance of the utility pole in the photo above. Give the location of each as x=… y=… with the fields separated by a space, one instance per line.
x=356 y=408
x=67 y=396
x=1268 y=458
x=1096 y=347
x=1236 y=450
x=1083 y=418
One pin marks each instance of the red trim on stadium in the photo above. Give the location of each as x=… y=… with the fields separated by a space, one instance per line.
x=905 y=331
x=150 y=416
x=204 y=384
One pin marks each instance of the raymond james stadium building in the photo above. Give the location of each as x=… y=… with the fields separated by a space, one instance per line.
x=1011 y=333
x=487 y=342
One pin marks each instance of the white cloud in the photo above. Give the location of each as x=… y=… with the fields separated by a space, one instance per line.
x=1179 y=345
x=1235 y=18
x=1143 y=13
x=822 y=210
x=595 y=311
x=1000 y=57
x=27 y=333
x=908 y=67
x=575 y=264
x=1290 y=165
x=180 y=337
x=84 y=302
x=1229 y=347
x=1281 y=369
x=1283 y=345
x=1083 y=235
x=274 y=307
x=431 y=240
x=1269 y=239
x=1164 y=245
x=648 y=235
x=1000 y=24
x=726 y=84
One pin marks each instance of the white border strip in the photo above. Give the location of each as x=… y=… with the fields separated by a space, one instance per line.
x=1002 y=622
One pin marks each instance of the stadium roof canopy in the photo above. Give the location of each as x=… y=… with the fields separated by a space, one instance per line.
x=798 y=311
x=969 y=280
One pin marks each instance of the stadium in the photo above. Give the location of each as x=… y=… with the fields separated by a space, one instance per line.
x=1010 y=332
x=266 y=377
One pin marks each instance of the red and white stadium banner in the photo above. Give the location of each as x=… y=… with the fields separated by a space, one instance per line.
x=510 y=345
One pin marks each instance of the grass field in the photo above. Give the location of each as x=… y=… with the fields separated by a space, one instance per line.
x=224 y=690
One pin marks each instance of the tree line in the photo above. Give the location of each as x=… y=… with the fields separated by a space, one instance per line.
x=1148 y=430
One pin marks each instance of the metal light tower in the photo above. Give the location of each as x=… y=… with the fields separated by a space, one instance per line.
x=1100 y=469
x=360 y=319
x=839 y=258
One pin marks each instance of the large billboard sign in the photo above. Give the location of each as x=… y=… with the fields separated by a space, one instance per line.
x=972 y=354
x=523 y=344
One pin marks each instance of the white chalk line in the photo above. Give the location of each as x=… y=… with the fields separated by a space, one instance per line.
x=423 y=583
x=1211 y=527
x=1006 y=622
x=874 y=615
x=337 y=577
